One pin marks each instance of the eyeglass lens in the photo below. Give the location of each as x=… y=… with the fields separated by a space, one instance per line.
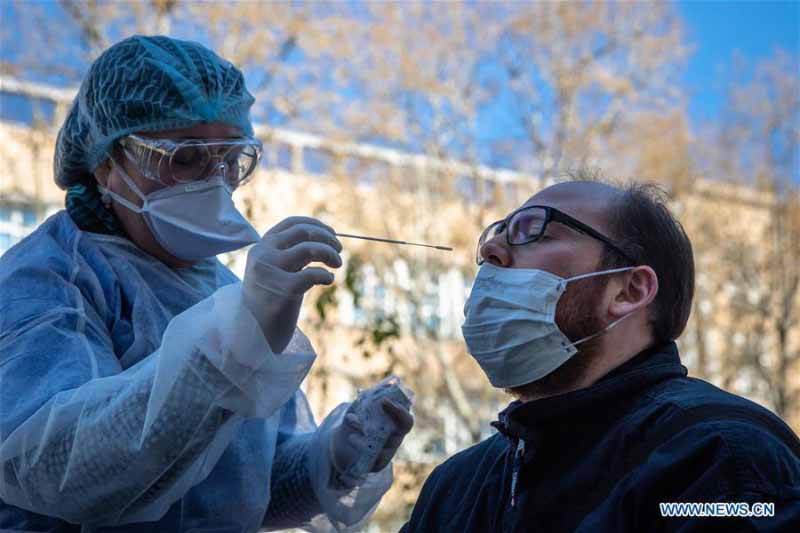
x=524 y=226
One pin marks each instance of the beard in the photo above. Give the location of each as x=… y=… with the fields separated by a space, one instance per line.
x=577 y=318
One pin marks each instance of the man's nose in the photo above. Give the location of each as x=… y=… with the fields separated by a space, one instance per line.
x=496 y=251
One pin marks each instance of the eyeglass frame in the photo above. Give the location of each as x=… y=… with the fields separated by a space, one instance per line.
x=157 y=145
x=551 y=215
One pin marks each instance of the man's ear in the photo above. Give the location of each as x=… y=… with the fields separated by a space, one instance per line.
x=639 y=288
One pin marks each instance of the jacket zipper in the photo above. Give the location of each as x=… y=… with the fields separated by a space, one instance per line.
x=519 y=451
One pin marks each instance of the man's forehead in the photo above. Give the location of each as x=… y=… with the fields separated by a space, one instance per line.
x=585 y=201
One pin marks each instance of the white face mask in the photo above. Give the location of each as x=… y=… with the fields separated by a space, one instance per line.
x=191 y=221
x=510 y=326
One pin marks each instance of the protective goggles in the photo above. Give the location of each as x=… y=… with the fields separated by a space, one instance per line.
x=173 y=161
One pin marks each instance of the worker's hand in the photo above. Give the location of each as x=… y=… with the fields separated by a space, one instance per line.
x=350 y=442
x=402 y=422
x=276 y=277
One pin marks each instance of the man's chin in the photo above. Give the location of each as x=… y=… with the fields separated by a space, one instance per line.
x=566 y=378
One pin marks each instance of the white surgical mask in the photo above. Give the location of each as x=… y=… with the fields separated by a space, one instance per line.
x=510 y=326
x=191 y=221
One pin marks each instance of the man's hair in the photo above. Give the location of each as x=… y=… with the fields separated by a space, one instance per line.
x=641 y=224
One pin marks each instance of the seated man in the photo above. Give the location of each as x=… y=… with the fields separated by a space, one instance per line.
x=575 y=310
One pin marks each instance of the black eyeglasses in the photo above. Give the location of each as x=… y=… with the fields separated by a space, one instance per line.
x=528 y=224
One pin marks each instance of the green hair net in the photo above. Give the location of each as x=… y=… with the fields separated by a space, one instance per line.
x=147 y=84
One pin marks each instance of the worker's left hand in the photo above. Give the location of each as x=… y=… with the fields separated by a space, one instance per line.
x=349 y=440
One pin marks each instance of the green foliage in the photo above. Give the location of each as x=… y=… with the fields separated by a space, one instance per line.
x=379 y=331
x=328 y=296
x=326 y=299
x=384 y=329
x=351 y=275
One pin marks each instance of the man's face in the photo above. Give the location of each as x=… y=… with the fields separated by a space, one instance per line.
x=565 y=252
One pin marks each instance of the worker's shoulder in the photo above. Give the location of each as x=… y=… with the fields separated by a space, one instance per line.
x=53 y=238
x=44 y=253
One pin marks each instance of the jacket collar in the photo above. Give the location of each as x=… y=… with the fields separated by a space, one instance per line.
x=651 y=366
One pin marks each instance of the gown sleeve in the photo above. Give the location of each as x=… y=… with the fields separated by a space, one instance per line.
x=82 y=439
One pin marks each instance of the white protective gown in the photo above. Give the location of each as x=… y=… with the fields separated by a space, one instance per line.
x=136 y=397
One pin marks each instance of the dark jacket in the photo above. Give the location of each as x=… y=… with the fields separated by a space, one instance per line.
x=603 y=458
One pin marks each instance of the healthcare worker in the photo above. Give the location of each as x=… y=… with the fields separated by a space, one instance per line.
x=142 y=386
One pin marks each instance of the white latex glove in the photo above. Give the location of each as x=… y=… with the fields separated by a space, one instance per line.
x=376 y=440
x=276 y=279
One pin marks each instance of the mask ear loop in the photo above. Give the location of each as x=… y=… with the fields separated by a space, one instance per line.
x=108 y=194
x=591 y=274
x=604 y=330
